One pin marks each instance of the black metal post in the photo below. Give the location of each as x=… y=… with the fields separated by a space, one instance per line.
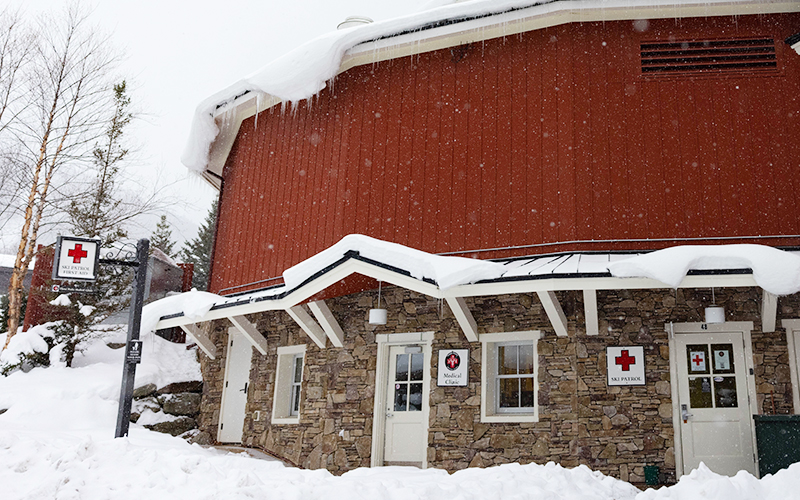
x=134 y=324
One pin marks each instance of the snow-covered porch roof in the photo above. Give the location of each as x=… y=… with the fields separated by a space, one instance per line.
x=455 y=278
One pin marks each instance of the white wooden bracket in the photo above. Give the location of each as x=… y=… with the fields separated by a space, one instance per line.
x=769 y=311
x=590 y=312
x=554 y=312
x=250 y=332
x=328 y=322
x=307 y=323
x=464 y=317
x=202 y=340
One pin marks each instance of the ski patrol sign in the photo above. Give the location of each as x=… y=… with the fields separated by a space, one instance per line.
x=625 y=365
x=76 y=259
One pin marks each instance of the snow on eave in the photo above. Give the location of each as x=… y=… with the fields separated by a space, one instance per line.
x=776 y=271
x=304 y=72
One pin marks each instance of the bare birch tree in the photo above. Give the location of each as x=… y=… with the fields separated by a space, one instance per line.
x=68 y=91
x=16 y=45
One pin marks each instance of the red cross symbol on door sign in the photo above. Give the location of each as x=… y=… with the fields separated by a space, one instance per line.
x=77 y=253
x=698 y=360
x=625 y=360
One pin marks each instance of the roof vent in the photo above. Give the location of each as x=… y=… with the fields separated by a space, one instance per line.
x=353 y=21
x=709 y=56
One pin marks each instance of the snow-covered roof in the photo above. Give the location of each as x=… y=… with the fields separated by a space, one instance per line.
x=776 y=271
x=305 y=71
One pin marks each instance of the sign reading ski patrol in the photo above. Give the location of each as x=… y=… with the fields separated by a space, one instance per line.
x=453 y=367
x=625 y=365
x=76 y=259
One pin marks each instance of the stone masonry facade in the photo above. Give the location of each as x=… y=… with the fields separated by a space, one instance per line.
x=616 y=430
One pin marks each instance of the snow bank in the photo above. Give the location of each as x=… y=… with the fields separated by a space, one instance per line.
x=705 y=484
x=445 y=271
x=774 y=270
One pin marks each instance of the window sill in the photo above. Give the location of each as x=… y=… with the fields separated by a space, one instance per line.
x=510 y=418
x=285 y=420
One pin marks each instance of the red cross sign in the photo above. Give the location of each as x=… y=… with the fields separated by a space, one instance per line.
x=625 y=360
x=625 y=365
x=76 y=259
x=77 y=253
x=697 y=360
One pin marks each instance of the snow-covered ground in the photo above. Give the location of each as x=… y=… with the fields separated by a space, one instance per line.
x=56 y=442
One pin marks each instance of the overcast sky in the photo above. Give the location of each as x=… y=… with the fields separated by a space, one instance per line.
x=180 y=52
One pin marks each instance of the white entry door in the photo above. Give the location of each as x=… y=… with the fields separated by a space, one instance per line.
x=406 y=429
x=234 y=392
x=715 y=415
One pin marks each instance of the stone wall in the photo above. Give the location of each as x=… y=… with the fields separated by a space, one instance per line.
x=616 y=430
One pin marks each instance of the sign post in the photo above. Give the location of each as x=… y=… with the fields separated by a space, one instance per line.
x=133 y=347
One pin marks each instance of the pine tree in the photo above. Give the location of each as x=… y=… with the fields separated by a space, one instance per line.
x=198 y=251
x=162 y=237
x=100 y=212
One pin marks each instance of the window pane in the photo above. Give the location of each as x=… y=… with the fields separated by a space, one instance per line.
x=415 y=398
x=725 y=391
x=526 y=392
x=697 y=355
x=526 y=359
x=298 y=369
x=416 y=366
x=700 y=392
x=400 y=397
x=295 y=399
x=401 y=371
x=507 y=354
x=723 y=358
x=509 y=393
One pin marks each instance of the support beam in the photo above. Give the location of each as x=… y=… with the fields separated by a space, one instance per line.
x=769 y=311
x=329 y=324
x=554 y=312
x=464 y=317
x=307 y=323
x=590 y=311
x=203 y=342
x=250 y=332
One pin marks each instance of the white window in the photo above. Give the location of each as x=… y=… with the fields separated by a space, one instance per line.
x=509 y=377
x=288 y=383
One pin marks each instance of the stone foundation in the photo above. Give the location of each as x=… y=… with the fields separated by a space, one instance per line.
x=616 y=430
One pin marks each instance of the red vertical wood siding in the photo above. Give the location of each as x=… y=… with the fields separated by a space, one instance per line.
x=543 y=137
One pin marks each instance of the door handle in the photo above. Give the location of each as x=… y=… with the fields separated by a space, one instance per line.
x=245 y=388
x=389 y=414
x=685 y=415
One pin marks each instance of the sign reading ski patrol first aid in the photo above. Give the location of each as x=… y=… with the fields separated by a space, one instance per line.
x=453 y=367
x=76 y=259
x=625 y=365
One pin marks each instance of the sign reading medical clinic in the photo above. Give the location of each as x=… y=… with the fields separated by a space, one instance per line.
x=76 y=259
x=453 y=367
x=625 y=365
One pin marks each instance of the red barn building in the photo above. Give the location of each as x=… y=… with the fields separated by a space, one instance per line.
x=610 y=169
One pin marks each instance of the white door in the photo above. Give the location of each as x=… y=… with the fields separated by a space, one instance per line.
x=715 y=416
x=234 y=392
x=406 y=431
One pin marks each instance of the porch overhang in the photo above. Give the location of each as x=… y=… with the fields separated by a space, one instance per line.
x=540 y=275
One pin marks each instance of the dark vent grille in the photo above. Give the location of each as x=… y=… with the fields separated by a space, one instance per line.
x=709 y=56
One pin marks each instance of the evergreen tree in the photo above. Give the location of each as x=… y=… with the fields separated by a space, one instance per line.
x=162 y=237
x=198 y=251
x=100 y=212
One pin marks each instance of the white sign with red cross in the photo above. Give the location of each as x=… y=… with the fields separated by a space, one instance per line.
x=453 y=367
x=625 y=365
x=76 y=259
